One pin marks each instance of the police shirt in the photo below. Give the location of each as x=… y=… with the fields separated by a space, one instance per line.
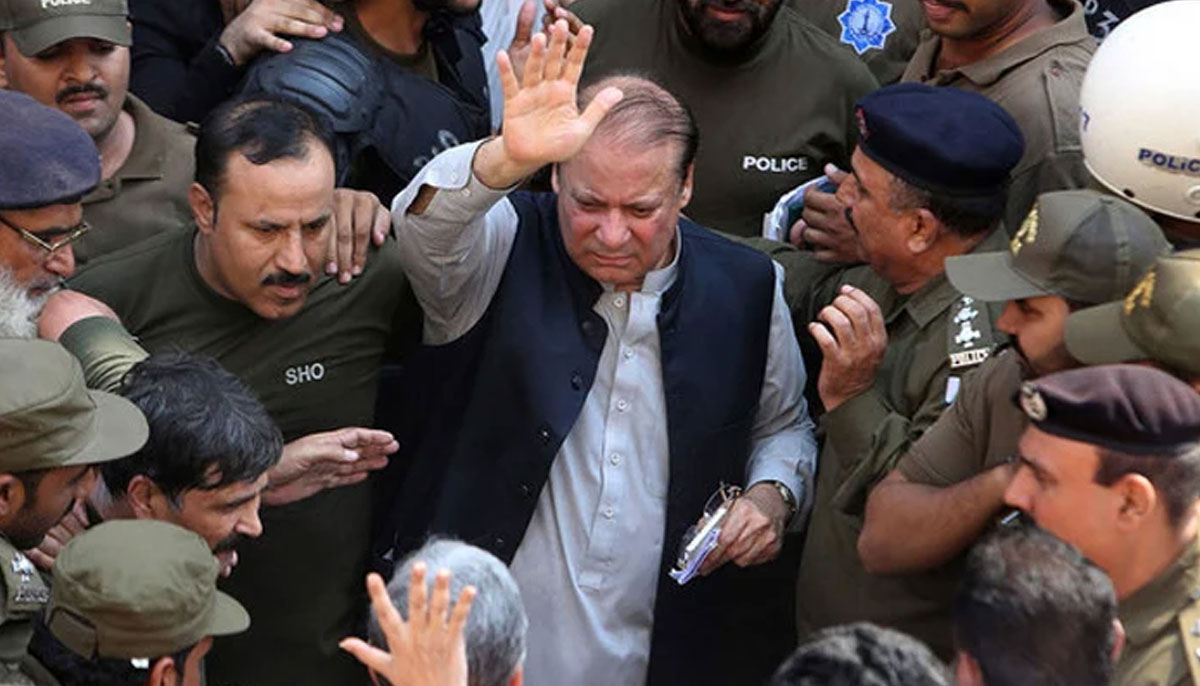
x=24 y=595
x=866 y=435
x=302 y=580
x=883 y=33
x=767 y=122
x=1037 y=80
x=148 y=194
x=1162 y=627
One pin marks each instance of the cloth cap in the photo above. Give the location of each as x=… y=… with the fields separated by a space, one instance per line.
x=138 y=588
x=1158 y=320
x=1129 y=408
x=48 y=418
x=35 y=25
x=1081 y=245
x=942 y=140
x=48 y=159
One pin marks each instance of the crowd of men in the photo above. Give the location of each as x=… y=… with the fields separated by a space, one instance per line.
x=611 y=342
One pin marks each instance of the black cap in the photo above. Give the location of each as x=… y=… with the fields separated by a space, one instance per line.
x=48 y=159
x=942 y=140
x=1128 y=408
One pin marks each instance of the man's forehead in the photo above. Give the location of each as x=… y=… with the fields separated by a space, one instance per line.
x=1053 y=453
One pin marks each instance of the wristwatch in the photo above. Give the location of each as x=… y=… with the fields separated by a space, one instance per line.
x=786 y=494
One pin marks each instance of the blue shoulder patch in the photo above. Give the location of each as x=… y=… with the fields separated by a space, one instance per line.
x=866 y=24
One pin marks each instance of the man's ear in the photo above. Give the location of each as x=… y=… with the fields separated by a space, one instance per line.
x=1138 y=500
x=4 y=60
x=685 y=195
x=164 y=673
x=202 y=208
x=141 y=494
x=518 y=676
x=12 y=496
x=554 y=177
x=923 y=230
x=1118 y=640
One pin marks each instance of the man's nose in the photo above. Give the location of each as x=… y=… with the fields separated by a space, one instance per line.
x=61 y=262
x=250 y=525
x=613 y=231
x=291 y=257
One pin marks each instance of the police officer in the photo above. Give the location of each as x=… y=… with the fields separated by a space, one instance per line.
x=1076 y=248
x=1111 y=464
x=49 y=164
x=1138 y=128
x=928 y=183
x=135 y=603
x=52 y=430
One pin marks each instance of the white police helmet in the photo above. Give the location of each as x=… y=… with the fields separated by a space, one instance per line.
x=1140 y=103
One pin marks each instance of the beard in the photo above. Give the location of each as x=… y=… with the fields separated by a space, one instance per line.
x=729 y=36
x=18 y=309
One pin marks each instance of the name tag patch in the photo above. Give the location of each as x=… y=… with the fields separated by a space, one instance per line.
x=866 y=24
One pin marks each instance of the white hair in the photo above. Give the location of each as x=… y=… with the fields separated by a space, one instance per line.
x=18 y=310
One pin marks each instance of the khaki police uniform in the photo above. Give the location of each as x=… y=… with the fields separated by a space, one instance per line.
x=935 y=336
x=768 y=122
x=148 y=194
x=1162 y=627
x=1037 y=80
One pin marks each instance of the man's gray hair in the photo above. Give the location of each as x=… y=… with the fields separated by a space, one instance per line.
x=495 y=631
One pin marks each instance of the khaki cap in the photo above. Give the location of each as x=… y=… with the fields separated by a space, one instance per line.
x=138 y=588
x=1081 y=245
x=48 y=417
x=35 y=25
x=1158 y=320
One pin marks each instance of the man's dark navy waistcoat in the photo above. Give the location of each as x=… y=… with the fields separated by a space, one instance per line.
x=498 y=402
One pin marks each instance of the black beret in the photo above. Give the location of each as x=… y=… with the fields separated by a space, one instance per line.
x=48 y=159
x=1128 y=408
x=942 y=140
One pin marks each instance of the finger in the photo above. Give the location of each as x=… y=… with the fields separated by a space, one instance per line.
x=524 y=24
x=763 y=548
x=357 y=437
x=360 y=467
x=418 y=601
x=835 y=175
x=439 y=607
x=819 y=239
x=574 y=23
x=714 y=560
x=796 y=234
x=537 y=61
x=42 y=560
x=855 y=313
x=509 y=85
x=875 y=323
x=289 y=26
x=841 y=327
x=575 y=58
x=824 y=339
x=269 y=41
x=821 y=202
x=76 y=520
x=373 y=658
x=756 y=527
x=310 y=11
x=458 y=616
x=383 y=225
x=364 y=225
x=389 y=617
x=341 y=481
x=343 y=233
x=600 y=106
x=558 y=50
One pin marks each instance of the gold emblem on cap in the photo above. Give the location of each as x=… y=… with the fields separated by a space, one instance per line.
x=1032 y=402
x=1142 y=294
x=1027 y=233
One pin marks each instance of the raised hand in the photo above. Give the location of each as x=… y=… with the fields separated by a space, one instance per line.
x=542 y=122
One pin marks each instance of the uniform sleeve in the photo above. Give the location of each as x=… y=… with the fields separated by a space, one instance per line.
x=455 y=251
x=105 y=350
x=177 y=85
x=954 y=448
x=784 y=448
x=871 y=435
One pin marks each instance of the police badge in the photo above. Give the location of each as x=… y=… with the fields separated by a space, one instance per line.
x=866 y=24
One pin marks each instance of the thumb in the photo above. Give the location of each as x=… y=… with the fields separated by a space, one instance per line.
x=524 y=24
x=368 y=655
x=600 y=105
x=835 y=175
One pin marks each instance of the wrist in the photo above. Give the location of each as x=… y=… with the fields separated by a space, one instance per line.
x=770 y=500
x=496 y=169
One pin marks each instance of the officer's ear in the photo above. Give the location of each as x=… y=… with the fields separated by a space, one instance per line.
x=145 y=498
x=1138 y=500
x=164 y=673
x=518 y=676
x=1118 y=645
x=966 y=670
x=554 y=177
x=685 y=194
x=203 y=208
x=923 y=230
x=12 y=497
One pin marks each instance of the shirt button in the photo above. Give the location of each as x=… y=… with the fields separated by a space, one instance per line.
x=622 y=405
x=466 y=192
x=619 y=301
x=576 y=381
x=609 y=513
x=615 y=459
x=627 y=353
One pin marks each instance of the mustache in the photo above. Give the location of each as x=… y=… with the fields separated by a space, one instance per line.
x=81 y=89
x=287 y=279
x=748 y=6
x=230 y=542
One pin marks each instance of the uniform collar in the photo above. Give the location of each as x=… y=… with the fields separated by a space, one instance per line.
x=1155 y=606
x=1069 y=30
x=148 y=158
x=934 y=297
